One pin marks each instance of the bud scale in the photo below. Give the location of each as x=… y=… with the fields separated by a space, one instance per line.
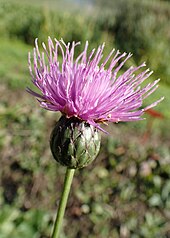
x=74 y=143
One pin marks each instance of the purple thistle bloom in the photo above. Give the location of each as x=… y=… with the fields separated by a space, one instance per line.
x=85 y=89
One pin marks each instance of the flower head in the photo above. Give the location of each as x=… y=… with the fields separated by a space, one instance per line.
x=85 y=88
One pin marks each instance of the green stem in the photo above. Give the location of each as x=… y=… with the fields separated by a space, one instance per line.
x=59 y=218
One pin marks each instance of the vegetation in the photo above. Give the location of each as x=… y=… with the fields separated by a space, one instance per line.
x=126 y=191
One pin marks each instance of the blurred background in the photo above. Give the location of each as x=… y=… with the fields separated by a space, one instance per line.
x=126 y=192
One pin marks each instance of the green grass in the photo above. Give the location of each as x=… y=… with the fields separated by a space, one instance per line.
x=13 y=63
x=52 y=4
x=162 y=91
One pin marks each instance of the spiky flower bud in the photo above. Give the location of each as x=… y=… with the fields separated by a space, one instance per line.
x=74 y=143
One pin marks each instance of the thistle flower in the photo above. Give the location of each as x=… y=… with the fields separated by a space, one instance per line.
x=84 y=88
x=87 y=93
